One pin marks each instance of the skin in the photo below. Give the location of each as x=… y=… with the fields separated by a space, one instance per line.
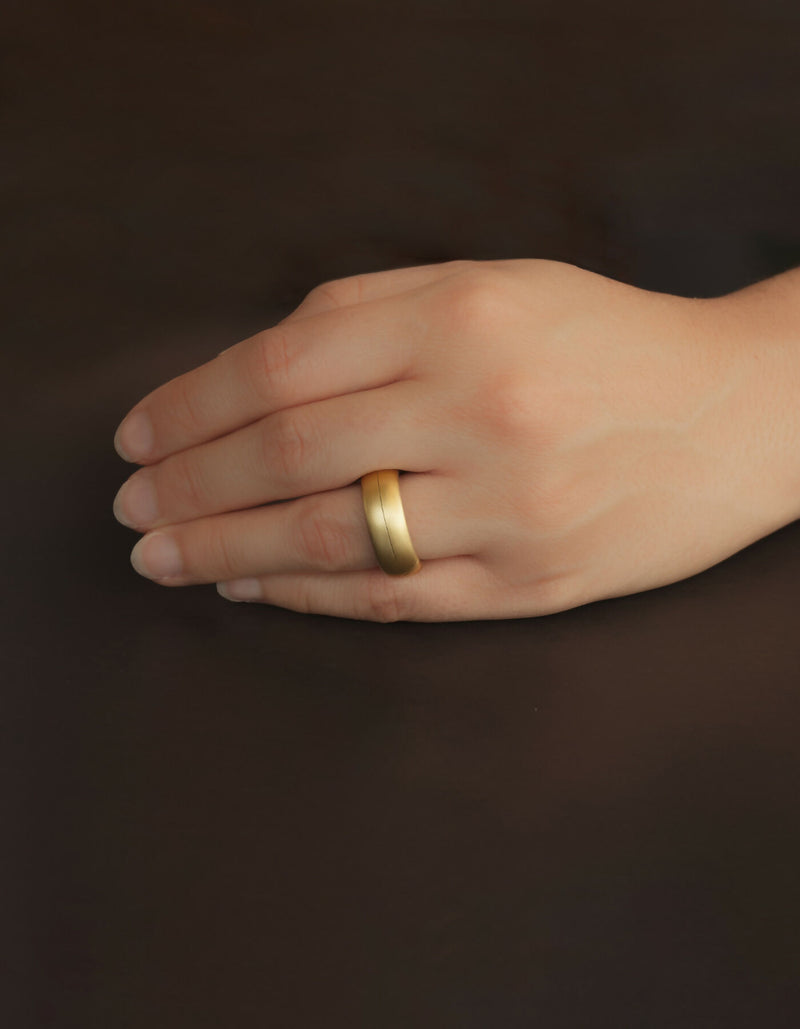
x=565 y=438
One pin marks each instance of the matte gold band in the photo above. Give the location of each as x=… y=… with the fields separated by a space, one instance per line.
x=386 y=522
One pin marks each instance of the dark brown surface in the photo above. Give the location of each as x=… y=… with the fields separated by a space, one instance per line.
x=232 y=815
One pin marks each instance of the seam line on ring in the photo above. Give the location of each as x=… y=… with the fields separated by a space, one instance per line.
x=385 y=522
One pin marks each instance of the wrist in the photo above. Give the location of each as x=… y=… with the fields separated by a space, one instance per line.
x=757 y=328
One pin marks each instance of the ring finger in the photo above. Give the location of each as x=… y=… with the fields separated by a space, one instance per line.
x=325 y=532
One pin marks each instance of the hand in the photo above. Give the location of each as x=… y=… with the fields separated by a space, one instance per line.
x=566 y=438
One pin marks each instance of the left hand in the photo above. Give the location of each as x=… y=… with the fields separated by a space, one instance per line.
x=568 y=437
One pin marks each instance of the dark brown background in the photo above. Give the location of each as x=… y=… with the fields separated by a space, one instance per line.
x=221 y=815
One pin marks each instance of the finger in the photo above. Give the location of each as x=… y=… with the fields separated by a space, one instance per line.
x=337 y=350
x=326 y=533
x=357 y=289
x=332 y=353
x=289 y=454
x=445 y=590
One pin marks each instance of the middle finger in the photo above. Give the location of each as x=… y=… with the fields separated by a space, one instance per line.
x=288 y=454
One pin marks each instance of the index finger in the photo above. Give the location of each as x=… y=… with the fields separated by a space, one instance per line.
x=316 y=353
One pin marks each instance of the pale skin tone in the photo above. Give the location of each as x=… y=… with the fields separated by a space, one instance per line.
x=564 y=438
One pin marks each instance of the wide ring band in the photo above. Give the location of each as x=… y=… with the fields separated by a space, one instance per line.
x=386 y=522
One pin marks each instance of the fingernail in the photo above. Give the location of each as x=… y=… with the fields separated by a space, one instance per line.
x=240 y=589
x=133 y=440
x=136 y=504
x=157 y=556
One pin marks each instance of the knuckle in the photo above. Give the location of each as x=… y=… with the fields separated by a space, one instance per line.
x=515 y=409
x=188 y=482
x=336 y=293
x=384 y=602
x=289 y=444
x=545 y=589
x=273 y=367
x=185 y=408
x=220 y=547
x=330 y=296
x=461 y=264
x=322 y=541
x=473 y=300
x=554 y=593
x=305 y=601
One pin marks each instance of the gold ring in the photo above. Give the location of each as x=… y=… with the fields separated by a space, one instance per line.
x=386 y=522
